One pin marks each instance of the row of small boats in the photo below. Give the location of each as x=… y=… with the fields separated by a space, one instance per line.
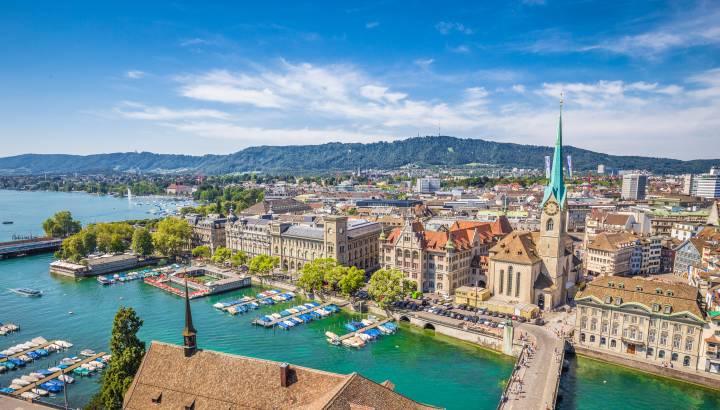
x=361 y=337
x=57 y=384
x=297 y=315
x=7 y=328
x=32 y=350
x=248 y=303
x=126 y=277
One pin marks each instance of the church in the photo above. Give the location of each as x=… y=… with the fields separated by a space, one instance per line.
x=537 y=268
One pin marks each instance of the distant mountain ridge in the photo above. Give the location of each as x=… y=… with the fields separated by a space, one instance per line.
x=335 y=156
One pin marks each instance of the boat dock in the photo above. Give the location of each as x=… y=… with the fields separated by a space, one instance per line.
x=373 y=326
x=294 y=315
x=58 y=374
x=26 y=351
x=28 y=246
x=256 y=300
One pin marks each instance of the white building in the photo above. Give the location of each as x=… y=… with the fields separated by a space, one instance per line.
x=427 y=185
x=708 y=185
x=633 y=186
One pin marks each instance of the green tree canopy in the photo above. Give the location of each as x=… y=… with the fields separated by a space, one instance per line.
x=61 y=225
x=221 y=254
x=263 y=264
x=142 y=242
x=172 y=236
x=352 y=281
x=202 y=251
x=238 y=259
x=312 y=274
x=388 y=286
x=127 y=354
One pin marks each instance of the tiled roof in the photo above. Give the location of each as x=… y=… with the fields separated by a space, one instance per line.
x=646 y=292
x=212 y=380
x=304 y=232
x=611 y=242
x=616 y=219
x=518 y=247
x=462 y=233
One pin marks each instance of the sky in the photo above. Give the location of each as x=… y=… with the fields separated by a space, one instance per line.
x=638 y=77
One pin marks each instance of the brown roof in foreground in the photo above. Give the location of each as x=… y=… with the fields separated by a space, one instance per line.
x=518 y=247
x=611 y=242
x=212 y=380
x=646 y=292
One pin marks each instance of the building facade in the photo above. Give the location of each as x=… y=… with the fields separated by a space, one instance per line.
x=443 y=260
x=642 y=319
x=208 y=231
x=634 y=186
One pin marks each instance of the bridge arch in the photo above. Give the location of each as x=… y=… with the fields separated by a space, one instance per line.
x=404 y=318
x=429 y=326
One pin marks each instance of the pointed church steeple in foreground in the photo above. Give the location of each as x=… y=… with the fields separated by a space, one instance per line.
x=189 y=332
x=556 y=186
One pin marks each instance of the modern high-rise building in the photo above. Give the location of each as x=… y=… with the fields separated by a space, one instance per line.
x=633 y=186
x=708 y=185
x=687 y=181
x=601 y=169
x=427 y=185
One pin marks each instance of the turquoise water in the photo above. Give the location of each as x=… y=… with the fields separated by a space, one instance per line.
x=593 y=385
x=28 y=209
x=428 y=368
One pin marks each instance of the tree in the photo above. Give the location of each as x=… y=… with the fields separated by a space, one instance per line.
x=388 y=286
x=352 y=281
x=74 y=248
x=202 y=251
x=263 y=265
x=312 y=276
x=142 y=242
x=238 y=259
x=221 y=255
x=172 y=236
x=61 y=225
x=127 y=354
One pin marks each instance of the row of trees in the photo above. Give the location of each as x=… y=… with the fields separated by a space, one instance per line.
x=170 y=238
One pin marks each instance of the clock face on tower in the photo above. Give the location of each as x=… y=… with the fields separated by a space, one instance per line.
x=551 y=208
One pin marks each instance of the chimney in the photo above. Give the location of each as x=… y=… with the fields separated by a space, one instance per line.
x=284 y=382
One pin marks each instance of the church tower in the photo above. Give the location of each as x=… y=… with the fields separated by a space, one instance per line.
x=189 y=333
x=553 y=218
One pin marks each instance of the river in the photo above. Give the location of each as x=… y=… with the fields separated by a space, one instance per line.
x=426 y=367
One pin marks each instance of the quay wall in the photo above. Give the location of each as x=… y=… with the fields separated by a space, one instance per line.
x=647 y=367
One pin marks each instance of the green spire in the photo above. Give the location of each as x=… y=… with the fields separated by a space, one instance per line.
x=556 y=186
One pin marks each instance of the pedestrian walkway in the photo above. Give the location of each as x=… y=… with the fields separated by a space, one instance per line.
x=533 y=384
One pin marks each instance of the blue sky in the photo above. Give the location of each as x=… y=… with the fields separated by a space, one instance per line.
x=215 y=77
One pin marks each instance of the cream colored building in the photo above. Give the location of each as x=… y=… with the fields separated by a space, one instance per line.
x=623 y=254
x=643 y=319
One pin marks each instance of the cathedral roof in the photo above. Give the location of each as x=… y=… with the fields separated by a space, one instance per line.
x=518 y=247
x=556 y=186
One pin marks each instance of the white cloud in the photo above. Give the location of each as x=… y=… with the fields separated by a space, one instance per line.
x=461 y=49
x=194 y=42
x=424 y=63
x=372 y=24
x=446 y=27
x=306 y=104
x=138 y=111
x=135 y=74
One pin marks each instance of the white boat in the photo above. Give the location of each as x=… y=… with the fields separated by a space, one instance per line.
x=54 y=369
x=20 y=382
x=87 y=352
x=66 y=379
x=29 y=395
x=40 y=392
x=29 y=378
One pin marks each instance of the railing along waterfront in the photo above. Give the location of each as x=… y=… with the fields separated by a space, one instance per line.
x=518 y=365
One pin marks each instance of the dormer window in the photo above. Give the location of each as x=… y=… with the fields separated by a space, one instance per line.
x=618 y=301
x=667 y=310
x=621 y=285
x=157 y=398
x=608 y=299
x=611 y=284
x=658 y=291
x=669 y=292
x=638 y=288
x=655 y=307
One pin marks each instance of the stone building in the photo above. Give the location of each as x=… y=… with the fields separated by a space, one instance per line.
x=642 y=319
x=250 y=235
x=440 y=261
x=277 y=206
x=623 y=254
x=537 y=267
x=209 y=230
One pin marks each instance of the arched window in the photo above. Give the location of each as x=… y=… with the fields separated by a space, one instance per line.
x=517 y=284
x=582 y=337
x=674 y=357
x=509 y=280
x=686 y=361
x=592 y=338
x=549 y=225
x=613 y=343
x=661 y=354
x=502 y=278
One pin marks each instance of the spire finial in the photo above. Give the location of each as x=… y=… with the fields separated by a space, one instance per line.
x=562 y=100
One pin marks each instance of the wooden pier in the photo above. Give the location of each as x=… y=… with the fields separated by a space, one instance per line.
x=256 y=300
x=58 y=374
x=373 y=326
x=18 y=354
x=276 y=321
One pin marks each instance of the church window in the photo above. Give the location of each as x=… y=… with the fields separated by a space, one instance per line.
x=517 y=284
x=509 y=281
x=502 y=278
x=549 y=225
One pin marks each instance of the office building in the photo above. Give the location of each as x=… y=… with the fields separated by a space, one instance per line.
x=633 y=186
